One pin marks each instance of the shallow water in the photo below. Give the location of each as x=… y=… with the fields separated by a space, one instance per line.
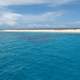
x=39 y=56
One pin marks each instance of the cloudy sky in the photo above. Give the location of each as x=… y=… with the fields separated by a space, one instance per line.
x=39 y=13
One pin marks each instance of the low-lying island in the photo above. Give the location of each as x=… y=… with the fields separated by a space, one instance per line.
x=43 y=30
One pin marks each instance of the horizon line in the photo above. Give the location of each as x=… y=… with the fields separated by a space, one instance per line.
x=50 y=31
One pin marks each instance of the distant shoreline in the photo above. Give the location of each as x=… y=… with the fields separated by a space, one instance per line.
x=43 y=30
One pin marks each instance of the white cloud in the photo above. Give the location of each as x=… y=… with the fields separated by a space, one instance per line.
x=14 y=19
x=8 y=18
x=45 y=17
x=48 y=19
x=40 y=20
x=29 y=2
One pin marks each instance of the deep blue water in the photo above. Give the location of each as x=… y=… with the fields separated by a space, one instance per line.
x=39 y=56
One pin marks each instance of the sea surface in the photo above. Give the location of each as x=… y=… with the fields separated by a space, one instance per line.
x=39 y=56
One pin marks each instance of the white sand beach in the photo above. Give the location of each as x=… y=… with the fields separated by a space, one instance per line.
x=53 y=30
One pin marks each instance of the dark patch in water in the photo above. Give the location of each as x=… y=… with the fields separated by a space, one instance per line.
x=35 y=38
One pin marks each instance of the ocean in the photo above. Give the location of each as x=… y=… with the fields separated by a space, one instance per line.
x=39 y=56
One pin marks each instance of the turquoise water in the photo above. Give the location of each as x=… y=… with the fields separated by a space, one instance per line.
x=39 y=56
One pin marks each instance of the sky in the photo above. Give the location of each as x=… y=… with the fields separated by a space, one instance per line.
x=39 y=13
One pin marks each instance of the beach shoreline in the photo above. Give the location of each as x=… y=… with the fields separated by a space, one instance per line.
x=45 y=30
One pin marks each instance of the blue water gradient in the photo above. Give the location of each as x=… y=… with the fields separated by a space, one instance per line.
x=39 y=56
